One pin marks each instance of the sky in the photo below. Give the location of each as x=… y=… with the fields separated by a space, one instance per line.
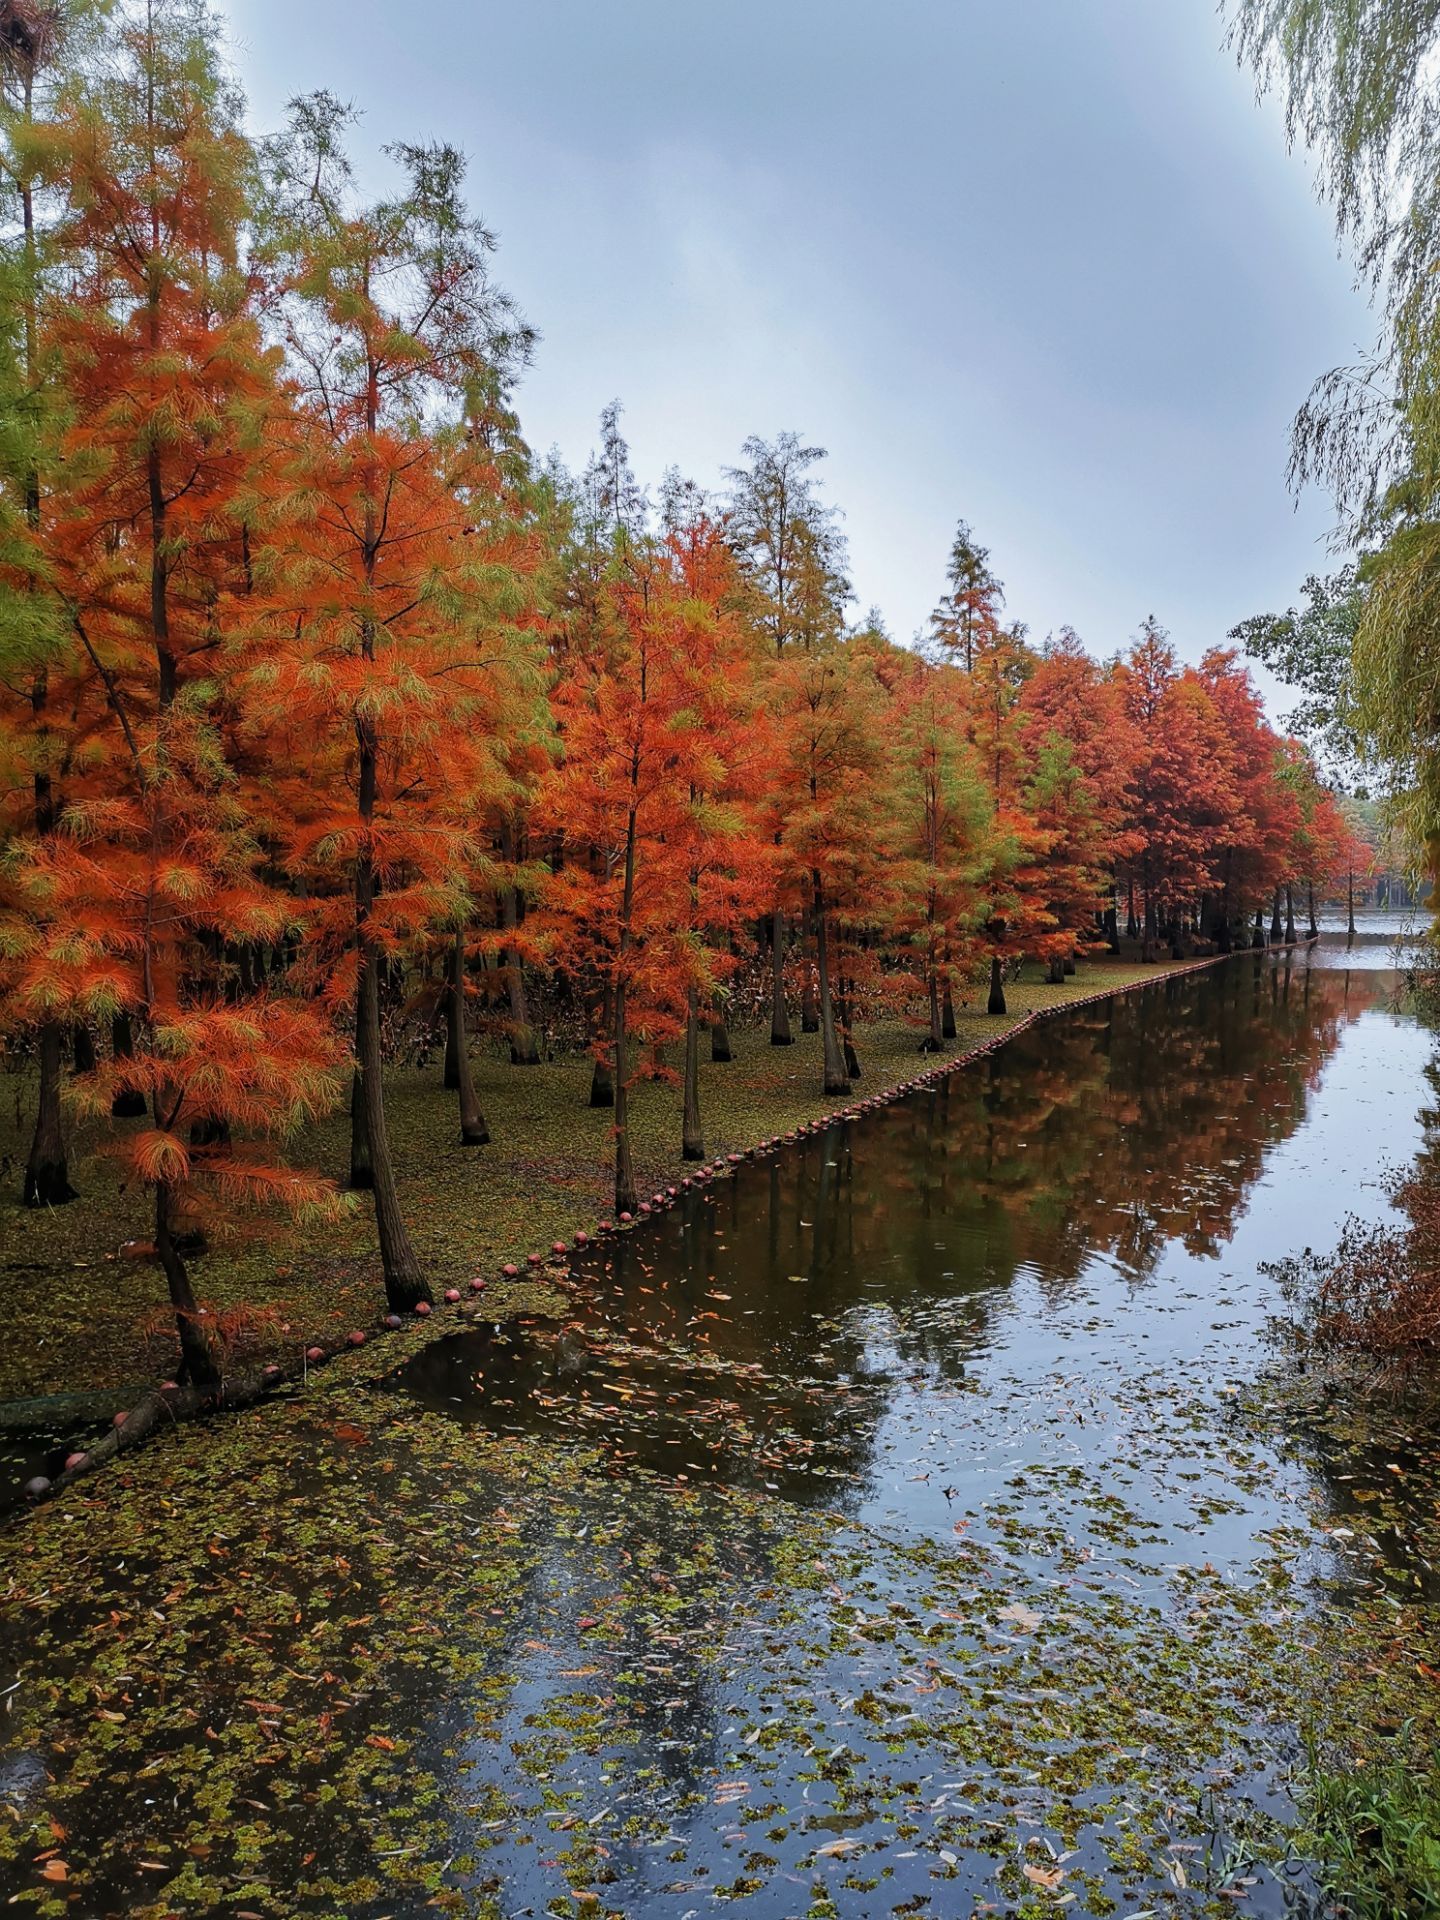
x=1041 y=264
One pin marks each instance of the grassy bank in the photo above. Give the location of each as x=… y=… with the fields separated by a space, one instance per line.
x=82 y=1315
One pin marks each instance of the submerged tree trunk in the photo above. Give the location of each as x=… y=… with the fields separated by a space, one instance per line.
x=836 y=1079
x=47 y=1175
x=692 y=1137
x=1289 y=915
x=129 y=1103
x=1350 y=936
x=780 y=1034
x=473 y=1130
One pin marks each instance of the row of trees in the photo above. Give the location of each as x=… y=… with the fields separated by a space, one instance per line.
x=318 y=693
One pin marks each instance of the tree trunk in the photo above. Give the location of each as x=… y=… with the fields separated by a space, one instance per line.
x=1257 y=939
x=720 y=1052
x=602 y=1080
x=626 y=1197
x=362 y=1172
x=843 y=1011
x=934 y=1039
x=1277 y=930
x=405 y=1282
x=996 y=1003
x=1289 y=915
x=524 y=1049
x=1067 y=965
x=473 y=1130
x=1350 y=939
x=836 y=1079
x=692 y=1140
x=1056 y=975
x=947 y=1013
x=1132 y=925
x=454 y=1037
x=780 y=1034
x=128 y=1104
x=809 y=1005
x=198 y=1364
x=47 y=1176
x=1313 y=930
x=82 y=1043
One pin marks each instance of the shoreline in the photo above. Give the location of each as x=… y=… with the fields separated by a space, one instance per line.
x=532 y=1280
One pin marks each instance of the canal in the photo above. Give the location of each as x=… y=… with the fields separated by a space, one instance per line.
x=931 y=1518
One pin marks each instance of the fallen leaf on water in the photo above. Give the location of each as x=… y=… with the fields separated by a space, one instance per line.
x=55 y=1870
x=1047 y=1877
x=1022 y=1616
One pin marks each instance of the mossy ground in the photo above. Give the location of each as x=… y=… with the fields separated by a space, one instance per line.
x=76 y=1311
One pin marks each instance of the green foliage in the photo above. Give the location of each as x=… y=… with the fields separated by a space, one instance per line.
x=1310 y=648
x=1377 y=1831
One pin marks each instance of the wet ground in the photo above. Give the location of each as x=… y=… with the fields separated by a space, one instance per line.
x=924 y=1520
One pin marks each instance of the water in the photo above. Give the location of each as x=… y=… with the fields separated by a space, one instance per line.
x=911 y=1523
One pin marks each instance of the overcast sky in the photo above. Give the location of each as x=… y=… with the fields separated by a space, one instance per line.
x=1040 y=263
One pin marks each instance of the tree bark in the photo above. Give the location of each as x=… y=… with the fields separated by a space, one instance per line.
x=934 y=1040
x=809 y=1004
x=996 y=1002
x=198 y=1362
x=692 y=1142
x=524 y=1049
x=836 y=1079
x=843 y=1010
x=129 y=1103
x=720 y=1050
x=626 y=1196
x=1056 y=975
x=602 y=1080
x=780 y=1034
x=47 y=1176
x=405 y=1282
x=473 y=1130
x=947 y=1013
x=362 y=1171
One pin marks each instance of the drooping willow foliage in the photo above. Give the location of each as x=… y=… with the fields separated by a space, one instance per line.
x=1361 y=86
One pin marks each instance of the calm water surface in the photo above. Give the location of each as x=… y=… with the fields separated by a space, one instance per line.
x=895 y=1527
x=1005 y=1322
